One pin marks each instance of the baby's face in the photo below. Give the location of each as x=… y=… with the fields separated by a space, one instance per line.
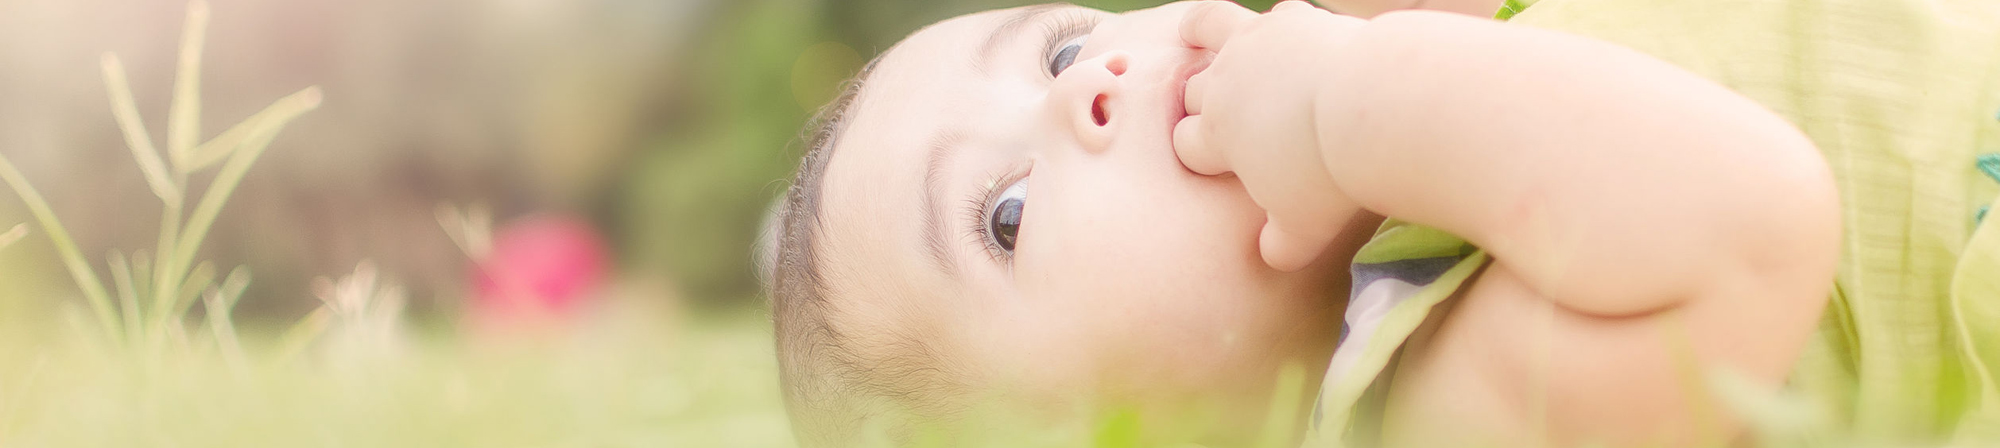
x=1037 y=230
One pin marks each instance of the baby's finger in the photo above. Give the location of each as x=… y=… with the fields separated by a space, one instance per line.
x=1288 y=251
x=1193 y=93
x=1193 y=149
x=1288 y=5
x=1209 y=24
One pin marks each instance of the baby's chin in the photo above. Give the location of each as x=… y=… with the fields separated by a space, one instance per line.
x=1334 y=262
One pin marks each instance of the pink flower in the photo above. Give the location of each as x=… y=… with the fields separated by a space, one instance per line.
x=539 y=265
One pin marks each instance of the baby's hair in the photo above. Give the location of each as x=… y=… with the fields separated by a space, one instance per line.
x=833 y=389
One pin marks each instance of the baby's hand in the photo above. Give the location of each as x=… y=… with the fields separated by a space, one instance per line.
x=1251 y=113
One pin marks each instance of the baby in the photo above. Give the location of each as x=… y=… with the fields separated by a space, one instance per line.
x=1578 y=231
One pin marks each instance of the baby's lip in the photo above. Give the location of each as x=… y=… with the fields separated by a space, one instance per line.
x=1196 y=62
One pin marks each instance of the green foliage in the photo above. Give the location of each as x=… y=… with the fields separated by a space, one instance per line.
x=622 y=382
x=154 y=293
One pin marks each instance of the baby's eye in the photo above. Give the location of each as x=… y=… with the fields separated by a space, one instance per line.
x=1066 y=54
x=1003 y=217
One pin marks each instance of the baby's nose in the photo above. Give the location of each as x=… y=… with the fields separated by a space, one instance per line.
x=1086 y=95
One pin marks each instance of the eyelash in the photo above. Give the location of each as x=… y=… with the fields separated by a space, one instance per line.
x=978 y=212
x=978 y=208
x=1066 y=26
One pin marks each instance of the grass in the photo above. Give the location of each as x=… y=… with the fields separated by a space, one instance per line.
x=155 y=292
x=137 y=369
x=640 y=381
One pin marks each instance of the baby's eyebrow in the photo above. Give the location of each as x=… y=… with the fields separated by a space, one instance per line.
x=1010 y=26
x=942 y=144
x=940 y=148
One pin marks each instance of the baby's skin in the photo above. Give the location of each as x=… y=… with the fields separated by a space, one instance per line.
x=1371 y=8
x=1003 y=219
x=1155 y=211
x=1631 y=209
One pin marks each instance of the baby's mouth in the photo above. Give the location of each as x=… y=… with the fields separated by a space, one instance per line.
x=1197 y=61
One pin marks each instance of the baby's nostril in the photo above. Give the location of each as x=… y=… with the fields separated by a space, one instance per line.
x=1097 y=112
x=1116 y=66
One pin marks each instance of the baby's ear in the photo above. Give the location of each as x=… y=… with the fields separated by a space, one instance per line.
x=1287 y=249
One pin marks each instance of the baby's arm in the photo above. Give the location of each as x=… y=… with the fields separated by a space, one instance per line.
x=1610 y=182
x=1670 y=223
x=1613 y=183
x=1673 y=226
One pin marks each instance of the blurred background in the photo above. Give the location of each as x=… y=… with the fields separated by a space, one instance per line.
x=668 y=125
x=627 y=149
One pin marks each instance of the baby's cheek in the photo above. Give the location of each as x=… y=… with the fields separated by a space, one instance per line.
x=1152 y=291
x=1146 y=256
x=1127 y=222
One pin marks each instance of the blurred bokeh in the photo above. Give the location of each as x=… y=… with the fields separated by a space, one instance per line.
x=507 y=223
x=669 y=125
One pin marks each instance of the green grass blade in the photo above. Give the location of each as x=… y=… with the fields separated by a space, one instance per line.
x=232 y=173
x=191 y=289
x=127 y=113
x=198 y=280
x=184 y=119
x=142 y=268
x=183 y=133
x=165 y=275
x=302 y=334
x=1281 y=420
x=233 y=285
x=276 y=115
x=13 y=235
x=471 y=230
x=79 y=270
x=128 y=299
x=219 y=304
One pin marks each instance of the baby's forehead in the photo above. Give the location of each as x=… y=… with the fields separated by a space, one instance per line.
x=929 y=60
x=870 y=210
x=946 y=56
x=924 y=92
x=965 y=33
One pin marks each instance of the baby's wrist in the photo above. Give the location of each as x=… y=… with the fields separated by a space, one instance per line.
x=1331 y=80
